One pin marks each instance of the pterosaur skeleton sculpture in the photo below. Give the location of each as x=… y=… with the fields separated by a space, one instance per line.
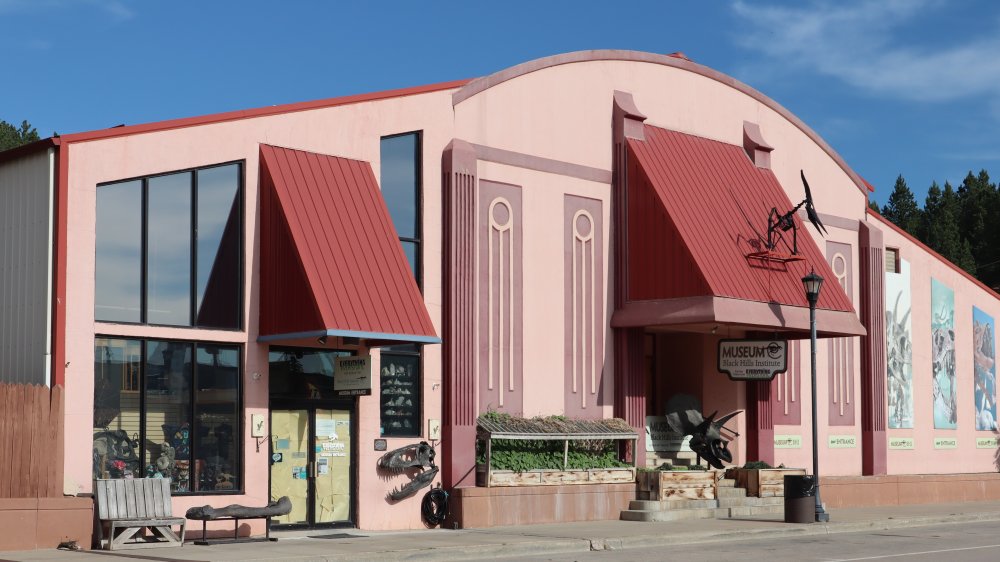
x=405 y=458
x=684 y=417
x=784 y=222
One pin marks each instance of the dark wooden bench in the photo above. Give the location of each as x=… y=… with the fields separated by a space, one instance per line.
x=129 y=506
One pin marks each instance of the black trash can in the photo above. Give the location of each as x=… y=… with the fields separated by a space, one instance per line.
x=800 y=499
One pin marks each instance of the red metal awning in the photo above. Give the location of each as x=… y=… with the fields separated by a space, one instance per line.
x=331 y=262
x=697 y=211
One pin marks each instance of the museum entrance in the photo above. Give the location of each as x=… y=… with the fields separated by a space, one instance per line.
x=311 y=439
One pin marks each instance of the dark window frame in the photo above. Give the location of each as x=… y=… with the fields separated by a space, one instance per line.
x=238 y=429
x=193 y=290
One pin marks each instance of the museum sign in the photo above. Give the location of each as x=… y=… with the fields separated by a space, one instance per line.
x=753 y=360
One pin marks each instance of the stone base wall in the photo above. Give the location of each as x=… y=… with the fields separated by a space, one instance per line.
x=864 y=491
x=31 y=523
x=492 y=507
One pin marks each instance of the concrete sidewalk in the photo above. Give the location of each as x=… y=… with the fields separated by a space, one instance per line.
x=535 y=540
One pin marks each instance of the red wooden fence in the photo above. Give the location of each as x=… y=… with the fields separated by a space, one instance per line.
x=31 y=441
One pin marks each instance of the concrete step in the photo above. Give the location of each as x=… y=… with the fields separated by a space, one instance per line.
x=652 y=505
x=729 y=493
x=750 y=502
x=728 y=512
x=668 y=515
x=727 y=483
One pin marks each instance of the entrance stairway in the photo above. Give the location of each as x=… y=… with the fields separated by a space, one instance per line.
x=730 y=501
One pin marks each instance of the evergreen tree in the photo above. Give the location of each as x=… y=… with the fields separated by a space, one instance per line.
x=941 y=227
x=873 y=205
x=902 y=208
x=11 y=136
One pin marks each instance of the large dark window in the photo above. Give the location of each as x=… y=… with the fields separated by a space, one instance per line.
x=168 y=409
x=169 y=249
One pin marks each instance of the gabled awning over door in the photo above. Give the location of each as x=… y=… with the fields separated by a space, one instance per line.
x=331 y=262
x=697 y=210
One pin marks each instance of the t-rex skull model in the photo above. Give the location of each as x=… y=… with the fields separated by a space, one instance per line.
x=404 y=458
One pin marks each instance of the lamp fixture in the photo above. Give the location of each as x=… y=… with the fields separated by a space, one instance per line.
x=321 y=340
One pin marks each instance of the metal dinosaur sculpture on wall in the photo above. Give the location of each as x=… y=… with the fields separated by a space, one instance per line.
x=409 y=457
x=684 y=417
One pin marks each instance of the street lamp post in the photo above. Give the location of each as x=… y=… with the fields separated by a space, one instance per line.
x=812 y=284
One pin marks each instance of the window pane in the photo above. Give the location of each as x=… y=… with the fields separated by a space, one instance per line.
x=216 y=419
x=116 y=408
x=168 y=285
x=118 y=278
x=400 y=395
x=302 y=373
x=400 y=187
x=168 y=413
x=412 y=251
x=219 y=233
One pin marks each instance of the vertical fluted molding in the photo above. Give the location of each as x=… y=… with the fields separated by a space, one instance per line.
x=873 y=350
x=630 y=399
x=458 y=346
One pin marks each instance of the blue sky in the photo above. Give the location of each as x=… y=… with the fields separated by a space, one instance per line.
x=906 y=87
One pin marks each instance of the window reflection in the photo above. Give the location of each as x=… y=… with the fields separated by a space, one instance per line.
x=118 y=282
x=168 y=285
x=302 y=373
x=215 y=418
x=218 y=301
x=168 y=413
x=400 y=164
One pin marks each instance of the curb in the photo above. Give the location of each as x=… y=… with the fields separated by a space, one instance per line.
x=645 y=541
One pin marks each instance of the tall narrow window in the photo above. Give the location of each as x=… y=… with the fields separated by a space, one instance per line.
x=400 y=373
x=118 y=294
x=169 y=249
x=402 y=193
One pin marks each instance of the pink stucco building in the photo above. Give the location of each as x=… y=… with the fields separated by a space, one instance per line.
x=572 y=235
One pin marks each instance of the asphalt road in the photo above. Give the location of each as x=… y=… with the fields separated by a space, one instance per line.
x=951 y=543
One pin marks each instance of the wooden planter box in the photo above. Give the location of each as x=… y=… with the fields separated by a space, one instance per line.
x=659 y=485
x=762 y=482
x=497 y=478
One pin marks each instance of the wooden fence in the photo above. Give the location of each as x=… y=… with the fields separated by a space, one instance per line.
x=31 y=441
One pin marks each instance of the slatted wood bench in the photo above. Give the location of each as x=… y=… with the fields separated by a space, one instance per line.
x=129 y=506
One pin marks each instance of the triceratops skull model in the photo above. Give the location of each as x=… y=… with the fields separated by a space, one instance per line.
x=404 y=458
x=684 y=417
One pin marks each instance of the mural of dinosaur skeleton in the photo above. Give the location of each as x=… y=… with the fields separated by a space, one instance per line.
x=409 y=457
x=899 y=364
x=684 y=417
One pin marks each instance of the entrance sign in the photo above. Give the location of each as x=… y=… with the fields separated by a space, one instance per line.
x=352 y=376
x=753 y=360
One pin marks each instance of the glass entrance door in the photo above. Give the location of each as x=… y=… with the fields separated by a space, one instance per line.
x=311 y=464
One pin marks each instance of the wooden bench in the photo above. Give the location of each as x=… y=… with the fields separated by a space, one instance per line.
x=129 y=506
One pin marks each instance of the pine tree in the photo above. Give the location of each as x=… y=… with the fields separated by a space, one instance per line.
x=11 y=136
x=902 y=208
x=873 y=205
x=940 y=227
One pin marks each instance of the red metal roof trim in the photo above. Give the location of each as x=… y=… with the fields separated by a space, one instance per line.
x=257 y=112
x=330 y=256
x=933 y=253
x=717 y=202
